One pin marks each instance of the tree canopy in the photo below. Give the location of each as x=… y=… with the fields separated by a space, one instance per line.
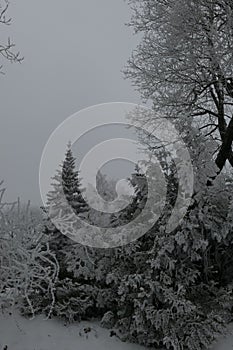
x=184 y=64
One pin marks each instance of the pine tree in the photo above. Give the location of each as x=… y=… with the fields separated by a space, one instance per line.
x=71 y=184
x=66 y=188
x=70 y=300
x=170 y=284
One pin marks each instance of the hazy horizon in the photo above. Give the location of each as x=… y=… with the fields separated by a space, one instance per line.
x=74 y=57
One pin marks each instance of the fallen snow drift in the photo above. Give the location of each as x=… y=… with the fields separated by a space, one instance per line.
x=18 y=333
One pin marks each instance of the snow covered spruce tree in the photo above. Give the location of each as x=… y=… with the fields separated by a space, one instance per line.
x=171 y=291
x=66 y=191
x=93 y=295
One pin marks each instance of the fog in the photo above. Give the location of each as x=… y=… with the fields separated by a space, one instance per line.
x=74 y=53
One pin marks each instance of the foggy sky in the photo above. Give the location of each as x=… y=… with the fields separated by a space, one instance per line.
x=74 y=54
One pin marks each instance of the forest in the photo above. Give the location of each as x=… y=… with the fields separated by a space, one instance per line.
x=169 y=286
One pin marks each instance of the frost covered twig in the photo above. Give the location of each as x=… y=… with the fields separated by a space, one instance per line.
x=26 y=265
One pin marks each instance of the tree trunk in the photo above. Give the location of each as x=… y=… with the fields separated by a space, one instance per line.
x=225 y=151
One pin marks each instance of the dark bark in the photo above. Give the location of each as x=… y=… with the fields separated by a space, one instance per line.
x=225 y=151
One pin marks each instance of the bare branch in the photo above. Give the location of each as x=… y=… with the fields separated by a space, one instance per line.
x=7 y=50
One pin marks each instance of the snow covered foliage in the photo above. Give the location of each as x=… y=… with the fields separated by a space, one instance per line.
x=165 y=289
x=71 y=296
x=28 y=269
x=173 y=289
x=66 y=190
x=66 y=187
x=183 y=63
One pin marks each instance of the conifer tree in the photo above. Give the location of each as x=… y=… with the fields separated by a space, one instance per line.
x=71 y=184
x=66 y=188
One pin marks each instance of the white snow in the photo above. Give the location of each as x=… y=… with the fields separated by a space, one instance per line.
x=18 y=333
x=225 y=342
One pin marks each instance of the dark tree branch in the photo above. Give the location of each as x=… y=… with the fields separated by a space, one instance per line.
x=225 y=151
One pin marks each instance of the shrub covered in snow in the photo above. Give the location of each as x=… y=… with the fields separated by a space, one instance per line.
x=27 y=266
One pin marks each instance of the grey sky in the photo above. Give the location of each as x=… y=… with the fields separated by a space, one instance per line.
x=74 y=53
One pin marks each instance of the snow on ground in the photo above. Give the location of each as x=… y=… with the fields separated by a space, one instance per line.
x=18 y=333
x=225 y=342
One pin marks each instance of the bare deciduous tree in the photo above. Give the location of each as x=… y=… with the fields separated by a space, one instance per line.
x=184 y=63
